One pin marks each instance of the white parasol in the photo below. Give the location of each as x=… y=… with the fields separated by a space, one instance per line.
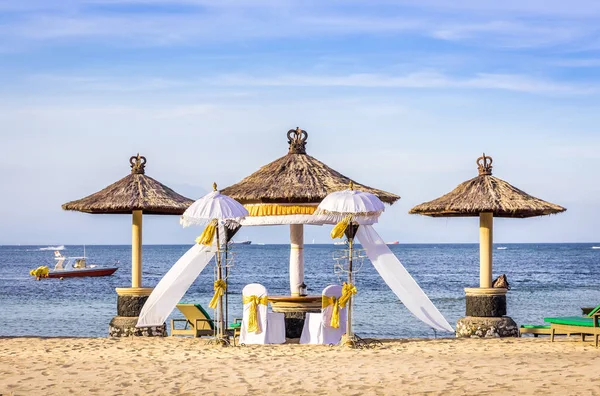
x=219 y=212
x=214 y=205
x=350 y=208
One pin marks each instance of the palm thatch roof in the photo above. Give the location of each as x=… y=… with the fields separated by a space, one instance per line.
x=296 y=178
x=133 y=192
x=486 y=193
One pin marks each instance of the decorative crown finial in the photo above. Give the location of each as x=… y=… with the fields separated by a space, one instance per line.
x=297 y=141
x=351 y=185
x=138 y=163
x=214 y=186
x=484 y=165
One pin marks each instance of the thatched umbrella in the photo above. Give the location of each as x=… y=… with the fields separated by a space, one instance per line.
x=487 y=197
x=288 y=191
x=136 y=193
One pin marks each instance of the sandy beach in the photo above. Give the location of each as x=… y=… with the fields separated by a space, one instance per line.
x=187 y=366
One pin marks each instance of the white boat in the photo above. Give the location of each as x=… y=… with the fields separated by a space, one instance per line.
x=74 y=267
x=246 y=242
x=501 y=248
x=339 y=243
x=595 y=247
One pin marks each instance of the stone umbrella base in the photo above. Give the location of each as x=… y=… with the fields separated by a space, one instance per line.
x=124 y=326
x=486 y=327
x=129 y=305
x=486 y=315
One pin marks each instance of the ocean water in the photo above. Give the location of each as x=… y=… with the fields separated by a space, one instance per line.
x=546 y=280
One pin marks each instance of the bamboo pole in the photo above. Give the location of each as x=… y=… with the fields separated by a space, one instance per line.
x=486 y=227
x=136 y=249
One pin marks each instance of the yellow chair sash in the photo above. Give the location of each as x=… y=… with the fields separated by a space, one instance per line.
x=207 y=236
x=220 y=286
x=348 y=290
x=335 y=311
x=340 y=228
x=253 y=325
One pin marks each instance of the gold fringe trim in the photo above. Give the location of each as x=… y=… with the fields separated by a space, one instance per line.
x=280 y=210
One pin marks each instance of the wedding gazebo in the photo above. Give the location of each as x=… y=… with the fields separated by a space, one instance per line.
x=287 y=191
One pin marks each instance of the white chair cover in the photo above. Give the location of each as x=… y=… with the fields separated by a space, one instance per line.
x=271 y=324
x=317 y=326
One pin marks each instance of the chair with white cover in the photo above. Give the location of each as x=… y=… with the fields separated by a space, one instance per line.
x=258 y=325
x=318 y=327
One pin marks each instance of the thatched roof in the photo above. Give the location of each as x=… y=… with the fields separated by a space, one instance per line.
x=486 y=193
x=133 y=192
x=296 y=178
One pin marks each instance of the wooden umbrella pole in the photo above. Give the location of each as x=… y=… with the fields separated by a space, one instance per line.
x=136 y=249
x=486 y=237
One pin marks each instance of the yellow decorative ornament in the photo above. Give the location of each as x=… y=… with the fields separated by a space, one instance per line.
x=207 y=236
x=340 y=228
x=335 y=312
x=348 y=290
x=253 y=325
x=220 y=286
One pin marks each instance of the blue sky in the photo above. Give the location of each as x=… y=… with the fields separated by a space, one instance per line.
x=416 y=90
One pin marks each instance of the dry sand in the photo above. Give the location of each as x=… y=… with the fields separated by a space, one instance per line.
x=187 y=366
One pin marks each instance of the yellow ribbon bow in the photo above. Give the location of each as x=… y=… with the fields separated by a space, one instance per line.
x=340 y=228
x=348 y=290
x=208 y=234
x=220 y=286
x=335 y=310
x=253 y=325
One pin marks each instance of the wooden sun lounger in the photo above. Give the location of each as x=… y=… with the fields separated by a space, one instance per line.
x=576 y=324
x=197 y=321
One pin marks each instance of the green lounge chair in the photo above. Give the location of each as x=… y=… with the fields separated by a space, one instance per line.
x=584 y=325
x=198 y=322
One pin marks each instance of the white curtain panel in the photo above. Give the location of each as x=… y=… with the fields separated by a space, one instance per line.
x=171 y=288
x=399 y=280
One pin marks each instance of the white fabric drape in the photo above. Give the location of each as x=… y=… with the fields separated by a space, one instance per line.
x=173 y=285
x=399 y=280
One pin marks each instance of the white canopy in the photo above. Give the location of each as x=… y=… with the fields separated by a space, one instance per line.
x=213 y=205
x=364 y=206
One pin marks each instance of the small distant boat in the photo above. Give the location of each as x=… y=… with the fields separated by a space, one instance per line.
x=595 y=247
x=393 y=243
x=246 y=242
x=501 y=248
x=339 y=243
x=74 y=267
x=61 y=247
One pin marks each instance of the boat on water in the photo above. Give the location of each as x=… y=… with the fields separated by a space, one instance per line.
x=239 y=242
x=72 y=267
x=393 y=243
x=339 y=243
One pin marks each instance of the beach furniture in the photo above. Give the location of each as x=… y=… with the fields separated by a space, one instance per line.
x=197 y=321
x=584 y=325
x=319 y=328
x=258 y=325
